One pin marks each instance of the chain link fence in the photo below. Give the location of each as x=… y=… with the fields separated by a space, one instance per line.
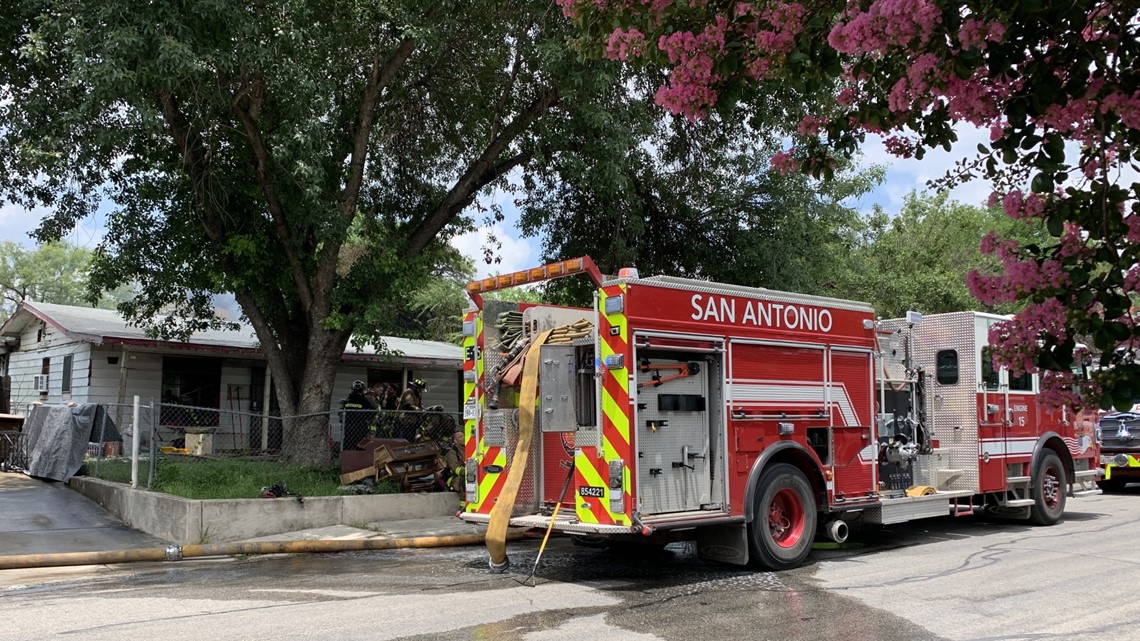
x=169 y=429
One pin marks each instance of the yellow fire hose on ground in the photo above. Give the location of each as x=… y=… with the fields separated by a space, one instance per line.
x=501 y=513
x=178 y=553
x=504 y=506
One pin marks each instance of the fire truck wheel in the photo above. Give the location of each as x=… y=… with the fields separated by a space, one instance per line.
x=1049 y=488
x=784 y=523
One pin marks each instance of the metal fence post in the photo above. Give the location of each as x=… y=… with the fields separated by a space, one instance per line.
x=135 y=443
x=102 y=440
x=153 y=467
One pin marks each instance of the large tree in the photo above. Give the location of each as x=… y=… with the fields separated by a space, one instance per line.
x=1057 y=84
x=49 y=273
x=915 y=259
x=311 y=156
x=671 y=196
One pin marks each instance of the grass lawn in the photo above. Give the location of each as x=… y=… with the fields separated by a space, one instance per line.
x=226 y=479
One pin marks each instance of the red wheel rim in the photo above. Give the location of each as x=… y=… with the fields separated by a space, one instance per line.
x=786 y=518
x=1051 y=488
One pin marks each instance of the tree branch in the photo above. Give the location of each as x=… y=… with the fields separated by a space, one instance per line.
x=481 y=172
x=193 y=161
x=274 y=354
x=246 y=105
x=383 y=72
x=379 y=79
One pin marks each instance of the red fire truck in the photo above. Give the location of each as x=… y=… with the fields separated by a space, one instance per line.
x=749 y=420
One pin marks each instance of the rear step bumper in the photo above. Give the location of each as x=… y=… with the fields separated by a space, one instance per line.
x=569 y=524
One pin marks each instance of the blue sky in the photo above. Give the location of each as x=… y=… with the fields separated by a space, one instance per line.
x=517 y=253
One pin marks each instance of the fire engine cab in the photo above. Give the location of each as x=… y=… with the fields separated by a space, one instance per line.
x=748 y=420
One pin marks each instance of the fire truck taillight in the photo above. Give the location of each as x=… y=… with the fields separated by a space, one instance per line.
x=472 y=486
x=617 y=485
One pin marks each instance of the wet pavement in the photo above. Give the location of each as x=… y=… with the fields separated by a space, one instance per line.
x=580 y=594
x=945 y=578
x=40 y=517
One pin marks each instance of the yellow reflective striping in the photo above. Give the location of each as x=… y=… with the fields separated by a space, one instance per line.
x=478 y=351
x=614 y=411
x=489 y=480
x=590 y=476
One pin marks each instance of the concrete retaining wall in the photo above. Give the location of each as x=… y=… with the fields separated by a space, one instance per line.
x=187 y=521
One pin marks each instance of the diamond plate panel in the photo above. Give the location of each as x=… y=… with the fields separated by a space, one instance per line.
x=951 y=409
x=494 y=426
x=527 y=499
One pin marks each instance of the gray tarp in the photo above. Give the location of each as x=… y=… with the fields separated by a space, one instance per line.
x=56 y=438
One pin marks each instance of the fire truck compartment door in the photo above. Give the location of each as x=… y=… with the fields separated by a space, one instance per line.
x=674 y=470
x=557 y=383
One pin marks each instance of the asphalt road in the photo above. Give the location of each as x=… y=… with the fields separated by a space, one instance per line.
x=947 y=578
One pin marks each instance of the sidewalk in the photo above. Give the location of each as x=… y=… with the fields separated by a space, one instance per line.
x=41 y=517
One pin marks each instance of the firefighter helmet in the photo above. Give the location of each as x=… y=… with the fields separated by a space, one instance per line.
x=420 y=384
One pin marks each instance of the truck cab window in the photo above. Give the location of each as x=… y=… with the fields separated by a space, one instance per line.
x=1022 y=383
x=990 y=375
x=946 y=362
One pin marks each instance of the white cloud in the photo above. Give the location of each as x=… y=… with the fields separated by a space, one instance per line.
x=907 y=174
x=17 y=223
x=514 y=254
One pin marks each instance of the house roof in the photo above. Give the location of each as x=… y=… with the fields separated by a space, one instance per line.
x=108 y=327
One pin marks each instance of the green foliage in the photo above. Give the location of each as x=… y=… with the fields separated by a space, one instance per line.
x=313 y=159
x=674 y=197
x=918 y=260
x=228 y=479
x=50 y=273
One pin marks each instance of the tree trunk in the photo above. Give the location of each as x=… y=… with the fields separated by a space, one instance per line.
x=308 y=426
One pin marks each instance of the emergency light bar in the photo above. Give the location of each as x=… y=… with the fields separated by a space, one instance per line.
x=537 y=274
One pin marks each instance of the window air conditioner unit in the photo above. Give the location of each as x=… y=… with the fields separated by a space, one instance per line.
x=40 y=382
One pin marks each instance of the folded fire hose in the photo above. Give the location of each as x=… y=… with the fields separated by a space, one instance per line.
x=501 y=512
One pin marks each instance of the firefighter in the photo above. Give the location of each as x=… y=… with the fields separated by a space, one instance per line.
x=358 y=413
x=412 y=398
x=385 y=396
x=388 y=396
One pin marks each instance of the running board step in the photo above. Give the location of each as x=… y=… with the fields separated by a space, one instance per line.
x=1018 y=503
x=1080 y=493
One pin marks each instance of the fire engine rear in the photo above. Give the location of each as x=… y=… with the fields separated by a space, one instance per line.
x=748 y=420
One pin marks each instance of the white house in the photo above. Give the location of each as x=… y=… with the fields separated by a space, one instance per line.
x=62 y=353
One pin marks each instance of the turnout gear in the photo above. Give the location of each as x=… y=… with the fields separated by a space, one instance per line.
x=412 y=398
x=357 y=414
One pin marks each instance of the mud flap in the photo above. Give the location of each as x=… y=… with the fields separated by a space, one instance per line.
x=723 y=543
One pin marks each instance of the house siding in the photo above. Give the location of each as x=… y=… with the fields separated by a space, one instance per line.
x=443 y=388
x=115 y=373
x=25 y=364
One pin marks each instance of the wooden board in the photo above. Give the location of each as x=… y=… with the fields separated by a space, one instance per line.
x=352 y=477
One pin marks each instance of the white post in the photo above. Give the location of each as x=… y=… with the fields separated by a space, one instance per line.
x=265 y=399
x=135 y=444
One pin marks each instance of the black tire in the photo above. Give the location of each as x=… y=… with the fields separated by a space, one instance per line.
x=783 y=524
x=1112 y=485
x=1050 y=486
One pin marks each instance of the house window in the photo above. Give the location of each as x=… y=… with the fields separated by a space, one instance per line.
x=45 y=367
x=946 y=365
x=191 y=387
x=65 y=386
